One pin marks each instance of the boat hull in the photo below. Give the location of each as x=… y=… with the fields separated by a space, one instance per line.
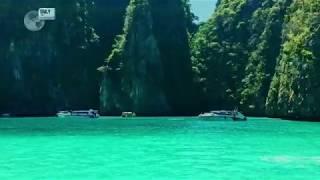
x=85 y=114
x=213 y=118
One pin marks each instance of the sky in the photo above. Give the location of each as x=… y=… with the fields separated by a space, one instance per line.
x=203 y=8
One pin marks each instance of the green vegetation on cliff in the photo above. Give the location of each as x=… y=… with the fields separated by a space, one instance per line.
x=55 y=68
x=264 y=47
x=220 y=52
x=149 y=69
x=262 y=56
x=295 y=88
x=133 y=74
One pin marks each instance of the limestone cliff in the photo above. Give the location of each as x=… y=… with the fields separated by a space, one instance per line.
x=55 y=68
x=149 y=70
x=295 y=88
x=134 y=74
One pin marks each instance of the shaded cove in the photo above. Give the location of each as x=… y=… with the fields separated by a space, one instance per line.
x=56 y=68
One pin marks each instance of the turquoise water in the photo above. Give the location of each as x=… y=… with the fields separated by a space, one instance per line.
x=158 y=148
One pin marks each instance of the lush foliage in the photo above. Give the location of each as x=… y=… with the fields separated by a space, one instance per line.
x=150 y=56
x=295 y=87
x=220 y=52
x=55 y=68
x=261 y=55
x=264 y=47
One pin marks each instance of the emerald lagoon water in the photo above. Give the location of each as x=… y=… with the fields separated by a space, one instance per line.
x=158 y=148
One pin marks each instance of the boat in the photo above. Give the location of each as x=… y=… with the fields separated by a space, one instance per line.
x=5 y=115
x=83 y=113
x=128 y=114
x=64 y=113
x=234 y=115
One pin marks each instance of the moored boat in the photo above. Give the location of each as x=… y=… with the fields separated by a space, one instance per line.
x=83 y=113
x=128 y=114
x=234 y=115
x=63 y=114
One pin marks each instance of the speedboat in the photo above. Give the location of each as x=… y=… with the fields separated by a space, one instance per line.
x=83 y=113
x=224 y=115
x=63 y=114
x=128 y=114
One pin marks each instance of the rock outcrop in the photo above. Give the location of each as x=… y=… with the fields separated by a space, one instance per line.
x=134 y=71
x=55 y=68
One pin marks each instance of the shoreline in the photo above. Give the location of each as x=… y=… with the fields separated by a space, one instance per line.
x=169 y=116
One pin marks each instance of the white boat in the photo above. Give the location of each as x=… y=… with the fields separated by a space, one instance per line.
x=63 y=114
x=128 y=114
x=224 y=115
x=83 y=113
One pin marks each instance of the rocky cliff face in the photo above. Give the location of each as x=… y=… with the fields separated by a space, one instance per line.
x=262 y=56
x=54 y=68
x=264 y=47
x=259 y=55
x=220 y=52
x=149 y=68
x=133 y=75
x=295 y=88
